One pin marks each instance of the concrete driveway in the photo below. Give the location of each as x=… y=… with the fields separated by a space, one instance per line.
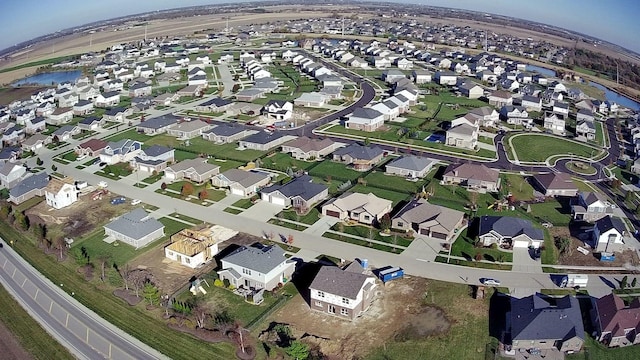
x=262 y=211
x=523 y=262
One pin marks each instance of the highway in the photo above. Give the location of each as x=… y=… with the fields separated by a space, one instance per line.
x=85 y=334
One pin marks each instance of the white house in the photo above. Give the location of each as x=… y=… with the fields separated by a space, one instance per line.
x=608 y=234
x=60 y=193
x=257 y=268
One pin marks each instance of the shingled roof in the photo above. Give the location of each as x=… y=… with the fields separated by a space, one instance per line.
x=335 y=281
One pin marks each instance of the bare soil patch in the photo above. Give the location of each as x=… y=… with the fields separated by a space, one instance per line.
x=127 y=296
x=8 y=95
x=398 y=312
x=574 y=257
x=10 y=347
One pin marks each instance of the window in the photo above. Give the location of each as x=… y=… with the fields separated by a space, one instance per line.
x=321 y=294
x=187 y=260
x=318 y=304
x=367 y=217
x=344 y=312
x=400 y=224
x=345 y=301
x=246 y=271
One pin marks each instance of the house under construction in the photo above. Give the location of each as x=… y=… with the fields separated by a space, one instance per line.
x=196 y=246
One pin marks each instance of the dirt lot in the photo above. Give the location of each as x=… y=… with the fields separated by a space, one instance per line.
x=171 y=276
x=397 y=312
x=80 y=218
x=574 y=257
x=10 y=348
x=8 y=95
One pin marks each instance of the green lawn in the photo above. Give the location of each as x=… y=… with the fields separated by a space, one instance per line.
x=518 y=186
x=186 y=218
x=466 y=339
x=553 y=212
x=33 y=338
x=153 y=178
x=225 y=164
x=70 y=156
x=537 y=148
x=335 y=171
x=213 y=195
x=180 y=155
x=243 y=203
x=625 y=176
x=359 y=242
x=115 y=171
x=369 y=232
x=28 y=204
x=282 y=162
x=308 y=219
x=379 y=179
x=233 y=211
x=135 y=321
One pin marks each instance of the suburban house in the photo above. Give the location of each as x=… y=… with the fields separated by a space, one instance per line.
x=471 y=90
x=531 y=103
x=157 y=125
x=241 y=182
x=107 y=99
x=475 y=177
x=590 y=206
x=360 y=157
x=188 y=129
x=429 y=220
x=586 y=129
x=117 y=114
x=257 y=269
x=36 y=125
x=364 y=208
x=410 y=166
x=83 y=107
x=555 y=122
x=584 y=115
x=507 y=230
x=139 y=89
x=421 y=76
x=485 y=116
x=29 y=187
x=35 y=142
x=344 y=293
x=120 y=151
x=225 y=133
x=60 y=193
x=167 y=99
x=278 y=110
x=536 y=322
x=153 y=158
x=214 y=105
x=60 y=116
x=11 y=174
x=462 y=135
x=312 y=99
x=616 y=324
x=516 y=115
x=90 y=123
x=196 y=246
x=445 y=78
x=197 y=170
x=500 y=98
x=136 y=228
x=304 y=148
x=608 y=235
x=555 y=184
x=365 y=119
x=65 y=133
x=264 y=141
x=300 y=193
x=92 y=147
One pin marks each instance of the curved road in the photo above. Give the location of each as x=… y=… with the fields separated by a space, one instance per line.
x=85 y=334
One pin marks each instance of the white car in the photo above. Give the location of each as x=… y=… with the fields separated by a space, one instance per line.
x=490 y=282
x=103 y=184
x=135 y=201
x=81 y=157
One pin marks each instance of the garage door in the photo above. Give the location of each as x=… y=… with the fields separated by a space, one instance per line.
x=170 y=175
x=276 y=200
x=521 y=244
x=145 y=168
x=235 y=191
x=332 y=213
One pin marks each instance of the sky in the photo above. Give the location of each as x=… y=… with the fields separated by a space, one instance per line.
x=610 y=20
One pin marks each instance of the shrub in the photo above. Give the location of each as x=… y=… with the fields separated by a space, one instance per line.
x=218 y=283
x=226 y=283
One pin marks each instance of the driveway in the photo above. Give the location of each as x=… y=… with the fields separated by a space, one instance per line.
x=262 y=211
x=522 y=262
x=226 y=78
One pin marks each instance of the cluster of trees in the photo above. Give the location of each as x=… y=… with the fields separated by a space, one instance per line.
x=604 y=65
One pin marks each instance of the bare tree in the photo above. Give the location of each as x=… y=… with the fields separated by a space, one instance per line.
x=103 y=258
x=60 y=245
x=124 y=273
x=201 y=313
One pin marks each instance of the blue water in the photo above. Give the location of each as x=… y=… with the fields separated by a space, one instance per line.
x=540 y=70
x=437 y=138
x=55 y=77
x=617 y=98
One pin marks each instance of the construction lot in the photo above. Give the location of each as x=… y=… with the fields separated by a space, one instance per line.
x=79 y=219
x=398 y=313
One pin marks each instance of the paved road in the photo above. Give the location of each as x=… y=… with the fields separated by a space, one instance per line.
x=226 y=78
x=84 y=333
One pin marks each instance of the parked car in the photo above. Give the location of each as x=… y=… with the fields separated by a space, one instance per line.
x=102 y=164
x=490 y=282
x=118 y=201
x=135 y=201
x=103 y=184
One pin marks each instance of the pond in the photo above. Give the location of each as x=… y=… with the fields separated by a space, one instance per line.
x=50 y=78
x=540 y=70
x=615 y=97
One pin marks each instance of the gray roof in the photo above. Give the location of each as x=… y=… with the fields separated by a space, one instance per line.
x=8 y=167
x=114 y=111
x=365 y=113
x=36 y=181
x=109 y=94
x=135 y=224
x=335 y=281
x=137 y=86
x=159 y=122
x=64 y=129
x=509 y=226
x=607 y=223
x=261 y=260
x=90 y=120
x=226 y=130
x=300 y=186
x=534 y=318
x=156 y=150
x=264 y=137
x=361 y=152
x=82 y=103
x=412 y=162
x=218 y=102
x=244 y=178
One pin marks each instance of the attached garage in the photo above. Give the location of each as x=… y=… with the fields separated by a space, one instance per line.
x=521 y=244
x=277 y=200
x=335 y=214
x=146 y=168
x=236 y=191
x=170 y=175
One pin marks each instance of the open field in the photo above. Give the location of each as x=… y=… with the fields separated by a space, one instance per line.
x=538 y=148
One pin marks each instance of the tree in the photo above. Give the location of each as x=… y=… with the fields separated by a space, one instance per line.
x=623 y=282
x=187 y=189
x=103 y=258
x=21 y=221
x=61 y=245
x=385 y=222
x=54 y=168
x=151 y=293
x=40 y=232
x=203 y=195
x=5 y=210
x=39 y=162
x=80 y=255
x=367 y=141
x=633 y=282
x=298 y=350
x=163 y=186
x=628 y=196
x=290 y=241
x=124 y=274
x=563 y=244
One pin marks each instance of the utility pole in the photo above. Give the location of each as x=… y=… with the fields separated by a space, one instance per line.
x=226 y=29
x=145 y=32
x=342 y=27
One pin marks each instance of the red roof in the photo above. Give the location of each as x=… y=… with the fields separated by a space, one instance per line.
x=93 y=144
x=615 y=317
